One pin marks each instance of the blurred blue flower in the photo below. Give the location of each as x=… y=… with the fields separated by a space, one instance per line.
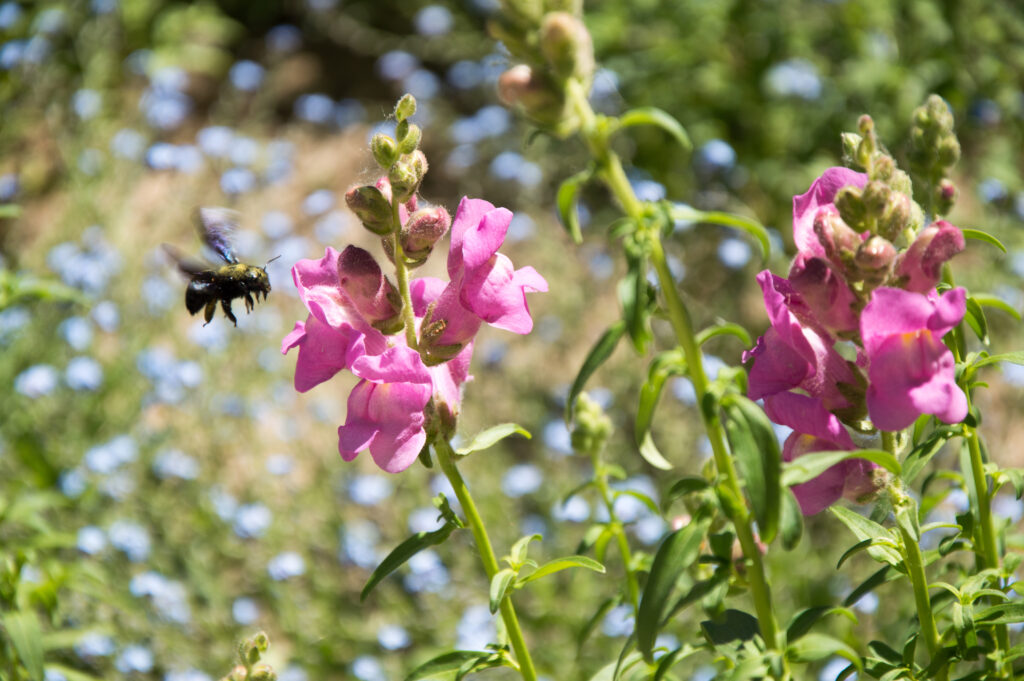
x=215 y=140
x=159 y=294
x=794 y=78
x=280 y=464
x=331 y=227
x=1006 y=506
x=716 y=154
x=224 y=505
x=37 y=50
x=606 y=85
x=734 y=253
x=396 y=65
x=422 y=84
x=618 y=622
x=425 y=519
x=8 y=186
x=276 y=224
x=533 y=524
x=245 y=151
x=349 y=111
x=162 y=156
x=318 y=202
x=118 y=486
x=72 y=483
x=129 y=144
x=111 y=455
x=131 y=539
x=86 y=103
x=106 y=316
x=36 y=381
x=575 y=509
x=366 y=668
x=359 y=539
x=433 y=20
x=833 y=669
x=187 y=675
x=12 y=320
x=252 y=520
x=556 y=436
x=314 y=108
x=369 y=489
x=650 y=529
x=91 y=540
x=992 y=190
x=94 y=644
x=393 y=637
x=461 y=157
x=49 y=21
x=426 y=573
x=284 y=38
x=234 y=181
x=135 y=658
x=12 y=53
x=246 y=75
x=465 y=74
x=985 y=112
x=165 y=108
x=90 y=161
x=475 y=628
x=83 y=373
x=868 y=603
x=245 y=611
x=285 y=566
x=103 y=6
x=174 y=463
x=168 y=597
x=521 y=479
x=648 y=190
x=51 y=674
x=10 y=14
x=292 y=672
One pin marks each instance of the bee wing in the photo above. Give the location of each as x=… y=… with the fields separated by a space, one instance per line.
x=190 y=266
x=217 y=228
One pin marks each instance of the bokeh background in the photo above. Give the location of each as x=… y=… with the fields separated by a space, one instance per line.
x=164 y=491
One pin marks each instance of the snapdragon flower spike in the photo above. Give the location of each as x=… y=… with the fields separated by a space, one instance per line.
x=821 y=195
x=365 y=285
x=795 y=353
x=816 y=430
x=825 y=292
x=919 y=268
x=911 y=372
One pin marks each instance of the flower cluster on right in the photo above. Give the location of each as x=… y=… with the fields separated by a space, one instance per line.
x=855 y=344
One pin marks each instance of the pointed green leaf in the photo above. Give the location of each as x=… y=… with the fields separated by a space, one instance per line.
x=653 y=116
x=791 y=520
x=663 y=366
x=676 y=553
x=487 y=438
x=814 y=647
x=568 y=193
x=986 y=300
x=637 y=298
x=864 y=528
x=923 y=452
x=756 y=450
x=811 y=465
x=1012 y=357
x=1004 y=613
x=725 y=329
x=402 y=553
x=870 y=584
x=559 y=564
x=446 y=665
x=684 y=486
x=856 y=548
x=979 y=235
x=975 y=318
x=500 y=583
x=522 y=547
x=731 y=625
x=27 y=637
x=650 y=453
x=748 y=225
x=597 y=356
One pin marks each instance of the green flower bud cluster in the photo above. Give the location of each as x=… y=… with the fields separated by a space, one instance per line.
x=554 y=47
x=250 y=668
x=935 y=150
x=593 y=426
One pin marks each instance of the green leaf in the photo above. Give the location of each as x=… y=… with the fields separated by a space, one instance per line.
x=869 y=585
x=669 y=660
x=519 y=550
x=650 y=453
x=402 y=553
x=636 y=297
x=664 y=365
x=814 y=647
x=1012 y=357
x=731 y=625
x=487 y=438
x=500 y=583
x=865 y=528
x=71 y=674
x=27 y=636
x=597 y=356
x=650 y=115
x=979 y=235
x=756 y=449
x=987 y=300
x=559 y=564
x=725 y=329
x=446 y=665
x=791 y=520
x=684 y=486
x=975 y=318
x=568 y=193
x=676 y=553
x=920 y=455
x=811 y=465
x=1004 y=613
x=748 y=225
x=856 y=548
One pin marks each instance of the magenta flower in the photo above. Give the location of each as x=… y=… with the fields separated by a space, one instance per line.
x=387 y=419
x=821 y=195
x=825 y=292
x=921 y=264
x=816 y=430
x=911 y=371
x=795 y=353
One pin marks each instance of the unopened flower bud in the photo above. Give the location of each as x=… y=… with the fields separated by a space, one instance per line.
x=410 y=141
x=850 y=204
x=593 y=426
x=874 y=260
x=850 y=142
x=835 y=235
x=237 y=674
x=949 y=151
x=263 y=672
x=945 y=197
x=865 y=482
x=896 y=216
x=567 y=46
x=875 y=197
x=919 y=268
x=422 y=230
x=539 y=98
x=368 y=290
x=407 y=174
x=405 y=107
x=372 y=208
x=385 y=150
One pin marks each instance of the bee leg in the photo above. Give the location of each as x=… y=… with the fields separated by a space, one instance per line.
x=249 y=304
x=225 y=305
x=211 y=307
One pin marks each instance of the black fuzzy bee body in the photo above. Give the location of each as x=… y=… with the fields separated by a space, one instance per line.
x=208 y=285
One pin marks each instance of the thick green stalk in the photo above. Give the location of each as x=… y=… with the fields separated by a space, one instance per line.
x=620 y=535
x=402 y=275
x=446 y=458
x=615 y=179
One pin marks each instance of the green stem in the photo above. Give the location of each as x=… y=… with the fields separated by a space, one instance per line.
x=601 y=478
x=446 y=458
x=402 y=275
x=618 y=184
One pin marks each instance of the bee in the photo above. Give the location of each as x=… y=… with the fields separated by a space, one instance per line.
x=208 y=283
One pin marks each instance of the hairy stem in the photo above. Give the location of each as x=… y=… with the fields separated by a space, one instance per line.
x=446 y=459
x=402 y=275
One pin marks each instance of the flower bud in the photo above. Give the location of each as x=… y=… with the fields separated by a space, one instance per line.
x=422 y=230
x=385 y=150
x=919 y=268
x=372 y=207
x=567 y=46
x=875 y=197
x=945 y=197
x=410 y=141
x=593 y=426
x=368 y=290
x=864 y=482
x=405 y=107
x=850 y=204
x=874 y=260
x=263 y=672
x=851 y=141
x=540 y=99
x=949 y=151
x=407 y=174
x=835 y=236
x=896 y=216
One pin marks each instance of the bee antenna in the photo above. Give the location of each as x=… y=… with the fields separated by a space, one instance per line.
x=270 y=261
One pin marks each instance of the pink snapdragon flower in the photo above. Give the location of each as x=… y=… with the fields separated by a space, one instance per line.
x=911 y=372
x=816 y=430
x=921 y=265
x=821 y=195
x=795 y=353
